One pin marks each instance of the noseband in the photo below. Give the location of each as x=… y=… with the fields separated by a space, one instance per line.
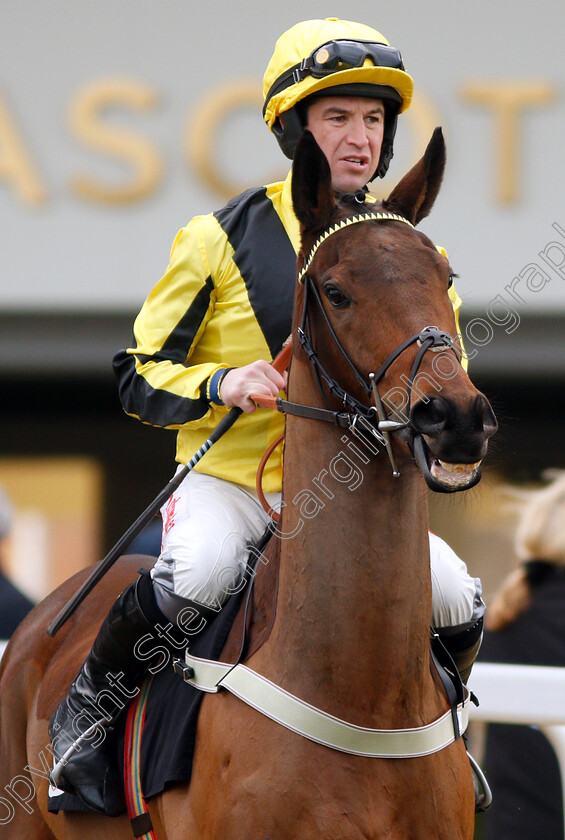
x=368 y=419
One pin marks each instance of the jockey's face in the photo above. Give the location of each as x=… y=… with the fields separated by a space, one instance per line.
x=349 y=130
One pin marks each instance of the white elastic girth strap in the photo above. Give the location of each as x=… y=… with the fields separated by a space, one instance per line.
x=312 y=723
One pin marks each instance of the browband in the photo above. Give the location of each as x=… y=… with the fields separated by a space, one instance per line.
x=352 y=220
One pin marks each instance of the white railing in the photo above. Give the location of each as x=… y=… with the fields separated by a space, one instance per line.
x=527 y=694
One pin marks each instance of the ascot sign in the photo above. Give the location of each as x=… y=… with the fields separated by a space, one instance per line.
x=505 y=101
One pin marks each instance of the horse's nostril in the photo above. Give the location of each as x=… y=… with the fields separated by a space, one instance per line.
x=484 y=418
x=430 y=416
x=439 y=416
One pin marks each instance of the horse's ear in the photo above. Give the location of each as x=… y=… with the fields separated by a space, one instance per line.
x=312 y=193
x=414 y=196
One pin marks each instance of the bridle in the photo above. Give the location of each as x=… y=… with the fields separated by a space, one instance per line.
x=356 y=415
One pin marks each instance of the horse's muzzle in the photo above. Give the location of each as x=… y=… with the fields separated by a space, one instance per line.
x=449 y=441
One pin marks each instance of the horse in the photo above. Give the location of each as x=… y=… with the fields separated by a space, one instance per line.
x=379 y=407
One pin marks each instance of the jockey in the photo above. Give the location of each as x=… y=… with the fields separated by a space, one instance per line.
x=204 y=341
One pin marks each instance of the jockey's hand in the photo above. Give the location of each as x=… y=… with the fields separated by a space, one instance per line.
x=257 y=378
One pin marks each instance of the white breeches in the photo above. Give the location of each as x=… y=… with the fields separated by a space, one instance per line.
x=207 y=524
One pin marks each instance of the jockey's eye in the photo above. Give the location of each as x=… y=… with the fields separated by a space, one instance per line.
x=335 y=296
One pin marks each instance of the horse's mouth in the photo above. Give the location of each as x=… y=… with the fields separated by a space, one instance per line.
x=444 y=476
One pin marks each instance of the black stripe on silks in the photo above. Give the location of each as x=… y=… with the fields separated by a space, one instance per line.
x=176 y=346
x=154 y=406
x=266 y=261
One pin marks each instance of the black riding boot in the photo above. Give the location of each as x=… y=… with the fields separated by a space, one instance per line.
x=109 y=678
x=463 y=644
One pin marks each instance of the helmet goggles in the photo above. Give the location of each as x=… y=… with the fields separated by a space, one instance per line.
x=345 y=55
x=335 y=56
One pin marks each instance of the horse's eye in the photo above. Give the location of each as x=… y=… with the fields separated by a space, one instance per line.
x=450 y=279
x=335 y=296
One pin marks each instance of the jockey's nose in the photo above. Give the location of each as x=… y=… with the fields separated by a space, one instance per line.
x=357 y=132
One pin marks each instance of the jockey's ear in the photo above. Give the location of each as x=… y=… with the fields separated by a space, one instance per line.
x=312 y=193
x=414 y=196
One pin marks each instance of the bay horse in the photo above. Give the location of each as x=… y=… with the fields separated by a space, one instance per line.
x=349 y=628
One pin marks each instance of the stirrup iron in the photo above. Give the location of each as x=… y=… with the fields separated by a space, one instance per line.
x=483 y=793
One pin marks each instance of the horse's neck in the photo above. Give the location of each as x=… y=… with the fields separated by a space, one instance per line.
x=354 y=590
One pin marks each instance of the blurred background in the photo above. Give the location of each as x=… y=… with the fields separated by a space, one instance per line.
x=121 y=119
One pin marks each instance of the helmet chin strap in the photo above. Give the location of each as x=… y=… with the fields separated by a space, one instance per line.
x=288 y=129
x=358 y=197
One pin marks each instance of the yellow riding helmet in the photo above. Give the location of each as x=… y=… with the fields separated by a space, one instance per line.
x=333 y=57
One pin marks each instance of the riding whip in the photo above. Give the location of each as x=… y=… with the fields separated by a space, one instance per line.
x=280 y=364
